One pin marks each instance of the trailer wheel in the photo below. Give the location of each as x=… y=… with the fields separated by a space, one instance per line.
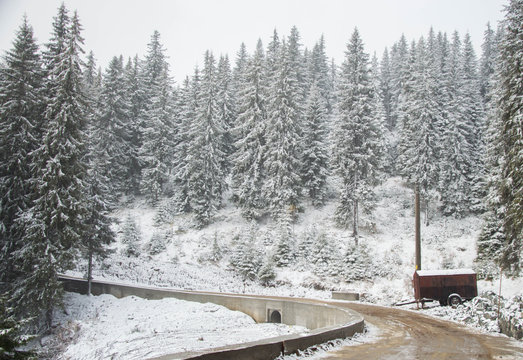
x=454 y=300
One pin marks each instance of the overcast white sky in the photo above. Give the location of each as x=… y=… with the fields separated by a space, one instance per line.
x=189 y=27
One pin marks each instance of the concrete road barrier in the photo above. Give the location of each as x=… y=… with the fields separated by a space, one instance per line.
x=326 y=322
x=345 y=295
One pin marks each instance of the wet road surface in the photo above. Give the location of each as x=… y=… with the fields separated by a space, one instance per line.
x=411 y=335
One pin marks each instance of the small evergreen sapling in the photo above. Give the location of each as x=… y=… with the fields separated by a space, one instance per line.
x=131 y=237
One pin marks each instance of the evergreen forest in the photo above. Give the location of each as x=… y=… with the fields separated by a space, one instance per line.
x=271 y=130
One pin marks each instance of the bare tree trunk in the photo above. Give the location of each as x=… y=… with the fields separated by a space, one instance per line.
x=89 y=272
x=355 y=222
x=427 y=218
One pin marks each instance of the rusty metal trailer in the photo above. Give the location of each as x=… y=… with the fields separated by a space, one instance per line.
x=449 y=287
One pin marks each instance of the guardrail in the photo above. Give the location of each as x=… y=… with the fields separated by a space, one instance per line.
x=326 y=322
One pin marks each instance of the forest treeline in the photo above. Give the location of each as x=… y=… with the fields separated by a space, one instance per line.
x=270 y=130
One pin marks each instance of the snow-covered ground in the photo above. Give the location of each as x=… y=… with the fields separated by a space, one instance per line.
x=104 y=327
x=387 y=234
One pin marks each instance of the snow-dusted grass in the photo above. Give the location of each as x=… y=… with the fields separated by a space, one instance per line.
x=132 y=328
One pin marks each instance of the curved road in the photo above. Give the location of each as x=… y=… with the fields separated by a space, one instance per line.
x=411 y=335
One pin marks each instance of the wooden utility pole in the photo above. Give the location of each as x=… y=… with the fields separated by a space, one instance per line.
x=418 y=228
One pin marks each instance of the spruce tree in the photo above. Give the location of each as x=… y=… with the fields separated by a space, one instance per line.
x=158 y=134
x=319 y=74
x=226 y=107
x=282 y=187
x=487 y=63
x=492 y=237
x=55 y=225
x=421 y=125
x=155 y=153
x=112 y=134
x=207 y=152
x=386 y=88
x=98 y=233
x=457 y=164
x=131 y=237
x=136 y=96
x=248 y=170
x=21 y=105
x=315 y=157
x=511 y=108
x=357 y=148
x=185 y=117
x=474 y=114
x=399 y=65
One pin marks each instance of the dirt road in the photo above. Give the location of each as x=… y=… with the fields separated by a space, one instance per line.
x=409 y=335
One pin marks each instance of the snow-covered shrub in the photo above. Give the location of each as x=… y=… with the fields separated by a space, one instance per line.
x=357 y=263
x=389 y=265
x=511 y=317
x=306 y=241
x=266 y=274
x=166 y=212
x=157 y=243
x=323 y=256
x=246 y=258
x=215 y=254
x=131 y=237
x=482 y=312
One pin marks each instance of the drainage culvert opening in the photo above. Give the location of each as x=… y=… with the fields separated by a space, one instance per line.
x=274 y=316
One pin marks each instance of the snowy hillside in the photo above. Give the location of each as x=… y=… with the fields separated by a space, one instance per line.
x=323 y=258
x=381 y=267
x=200 y=259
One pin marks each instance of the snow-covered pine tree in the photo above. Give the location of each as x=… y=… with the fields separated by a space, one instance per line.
x=112 y=134
x=282 y=188
x=319 y=74
x=386 y=88
x=489 y=53
x=226 y=106
x=55 y=226
x=284 y=252
x=98 y=233
x=314 y=156
x=272 y=58
x=357 y=264
x=185 y=117
x=156 y=152
x=390 y=137
x=240 y=65
x=158 y=130
x=131 y=237
x=323 y=256
x=306 y=243
x=206 y=151
x=474 y=114
x=297 y=65
x=456 y=162
x=12 y=339
x=248 y=171
x=246 y=259
x=492 y=237
x=266 y=274
x=136 y=96
x=421 y=124
x=357 y=141
x=157 y=243
x=511 y=107
x=399 y=65
x=21 y=106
